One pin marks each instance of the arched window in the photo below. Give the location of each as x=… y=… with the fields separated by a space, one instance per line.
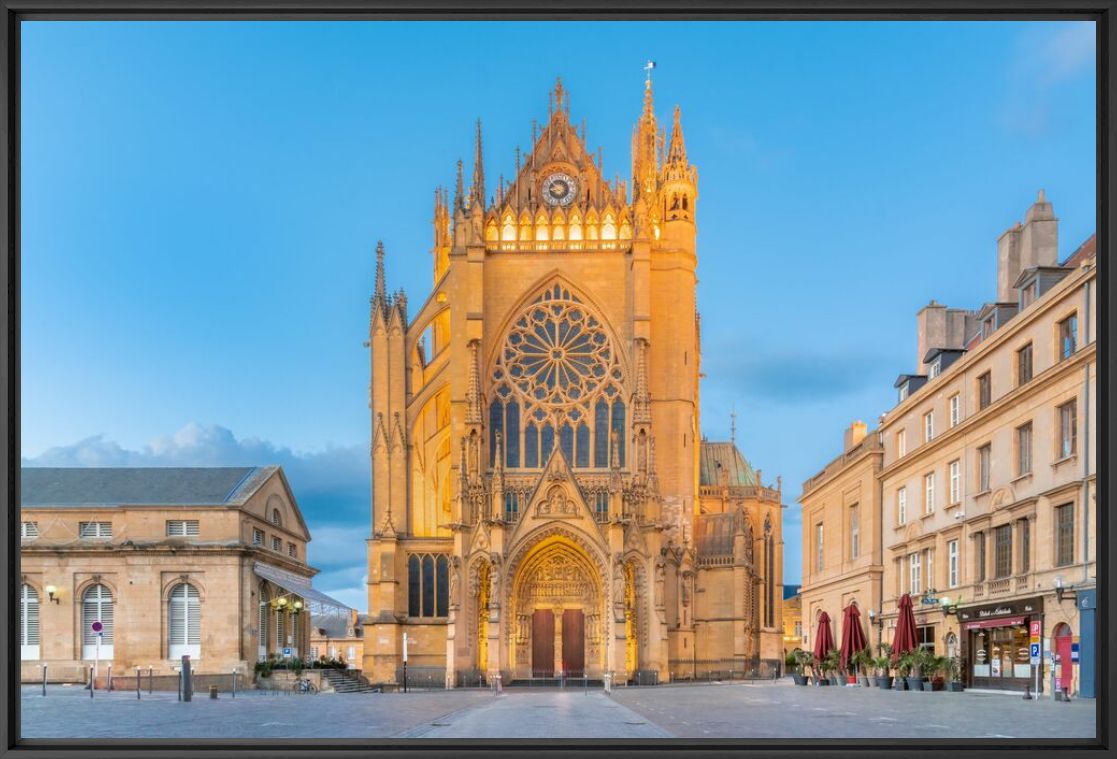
x=28 y=623
x=184 y=618
x=531 y=446
x=414 y=586
x=548 y=443
x=96 y=606
x=566 y=440
x=618 y=427
x=428 y=585
x=512 y=436
x=582 y=455
x=276 y=519
x=281 y=628
x=601 y=433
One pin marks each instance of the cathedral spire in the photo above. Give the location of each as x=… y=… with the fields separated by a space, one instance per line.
x=645 y=146
x=379 y=296
x=677 y=152
x=477 y=189
x=459 y=195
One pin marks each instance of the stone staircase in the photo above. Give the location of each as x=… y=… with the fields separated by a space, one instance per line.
x=347 y=681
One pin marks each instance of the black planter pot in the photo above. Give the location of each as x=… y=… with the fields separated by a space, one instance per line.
x=799 y=679
x=955 y=687
x=822 y=681
x=884 y=682
x=915 y=683
x=899 y=683
x=866 y=682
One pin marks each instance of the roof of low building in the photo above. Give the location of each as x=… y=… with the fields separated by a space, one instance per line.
x=790 y=591
x=139 y=486
x=723 y=464
x=1088 y=249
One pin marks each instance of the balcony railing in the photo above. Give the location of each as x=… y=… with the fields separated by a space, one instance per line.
x=997 y=587
x=979 y=590
x=1023 y=583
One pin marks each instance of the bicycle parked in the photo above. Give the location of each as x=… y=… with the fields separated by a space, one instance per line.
x=305 y=686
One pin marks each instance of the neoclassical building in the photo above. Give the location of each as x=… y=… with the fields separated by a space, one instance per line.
x=208 y=562
x=543 y=500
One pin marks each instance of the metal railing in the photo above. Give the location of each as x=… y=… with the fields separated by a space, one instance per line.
x=736 y=668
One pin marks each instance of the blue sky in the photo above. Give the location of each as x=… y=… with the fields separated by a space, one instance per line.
x=201 y=201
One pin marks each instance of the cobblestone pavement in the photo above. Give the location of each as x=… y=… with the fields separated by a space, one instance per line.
x=714 y=710
x=783 y=710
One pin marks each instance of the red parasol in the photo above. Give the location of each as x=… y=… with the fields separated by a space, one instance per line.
x=823 y=639
x=853 y=636
x=904 y=638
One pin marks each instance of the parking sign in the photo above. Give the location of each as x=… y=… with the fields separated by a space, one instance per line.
x=1035 y=653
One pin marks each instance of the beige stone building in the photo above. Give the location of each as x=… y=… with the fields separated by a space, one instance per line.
x=792 y=622
x=206 y=562
x=543 y=499
x=338 y=636
x=842 y=562
x=988 y=477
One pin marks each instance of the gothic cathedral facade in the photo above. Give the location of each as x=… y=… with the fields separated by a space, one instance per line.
x=542 y=499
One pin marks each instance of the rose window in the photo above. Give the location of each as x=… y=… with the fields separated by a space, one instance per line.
x=557 y=376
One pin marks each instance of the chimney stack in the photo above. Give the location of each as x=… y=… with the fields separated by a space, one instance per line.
x=1039 y=239
x=855 y=434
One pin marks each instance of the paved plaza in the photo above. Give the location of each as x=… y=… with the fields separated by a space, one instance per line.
x=714 y=710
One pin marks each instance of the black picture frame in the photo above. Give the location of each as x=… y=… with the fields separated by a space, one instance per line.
x=14 y=11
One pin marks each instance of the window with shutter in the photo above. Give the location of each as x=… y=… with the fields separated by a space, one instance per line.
x=262 y=631
x=184 y=622
x=96 y=606
x=29 y=530
x=28 y=623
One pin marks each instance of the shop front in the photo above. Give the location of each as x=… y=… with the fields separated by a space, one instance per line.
x=995 y=643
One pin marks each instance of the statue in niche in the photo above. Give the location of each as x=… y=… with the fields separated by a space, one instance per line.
x=618 y=587
x=660 y=579
x=494 y=579
x=455 y=580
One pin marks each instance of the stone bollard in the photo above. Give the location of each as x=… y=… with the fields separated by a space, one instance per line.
x=213 y=692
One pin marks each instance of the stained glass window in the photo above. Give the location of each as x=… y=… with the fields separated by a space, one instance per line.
x=557 y=372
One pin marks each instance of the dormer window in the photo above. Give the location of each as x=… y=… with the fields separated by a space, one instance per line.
x=936 y=368
x=1027 y=294
x=903 y=391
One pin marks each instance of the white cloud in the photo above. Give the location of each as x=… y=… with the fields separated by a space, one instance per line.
x=1046 y=57
x=331 y=487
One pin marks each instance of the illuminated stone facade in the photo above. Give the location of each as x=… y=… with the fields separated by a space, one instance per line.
x=542 y=498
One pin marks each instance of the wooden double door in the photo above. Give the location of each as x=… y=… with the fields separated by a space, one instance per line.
x=573 y=643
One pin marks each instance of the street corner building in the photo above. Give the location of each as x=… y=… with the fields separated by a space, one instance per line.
x=543 y=501
x=976 y=493
x=204 y=562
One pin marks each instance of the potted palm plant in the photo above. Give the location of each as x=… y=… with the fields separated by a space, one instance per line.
x=953 y=674
x=830 y=666
x=883 y=664
x=797 y=660
x=938 y=672
x=862 y=661
x=903 y=670
x=805 y=661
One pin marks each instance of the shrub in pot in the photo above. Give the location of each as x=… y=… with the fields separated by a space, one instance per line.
x=938 y=672
x=904 y=678
x=796 y=662
x=953 y=675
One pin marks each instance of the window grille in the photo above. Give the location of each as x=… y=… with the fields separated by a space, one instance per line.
x=182 y=528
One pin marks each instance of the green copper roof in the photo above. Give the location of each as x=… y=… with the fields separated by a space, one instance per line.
x=723 y=464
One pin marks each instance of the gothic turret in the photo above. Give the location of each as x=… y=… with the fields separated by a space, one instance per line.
x=678 y=189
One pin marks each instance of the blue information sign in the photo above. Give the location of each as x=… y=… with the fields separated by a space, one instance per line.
x=1035 y=651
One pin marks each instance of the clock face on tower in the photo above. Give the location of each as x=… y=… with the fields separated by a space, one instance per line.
x=559 y=189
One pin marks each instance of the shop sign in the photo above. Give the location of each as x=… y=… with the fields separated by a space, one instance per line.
x=1036 y=628
x=1074 y=652
x=1026 y=607
x=1002 y=622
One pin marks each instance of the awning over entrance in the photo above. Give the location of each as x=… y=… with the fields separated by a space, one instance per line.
x=316 y=601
